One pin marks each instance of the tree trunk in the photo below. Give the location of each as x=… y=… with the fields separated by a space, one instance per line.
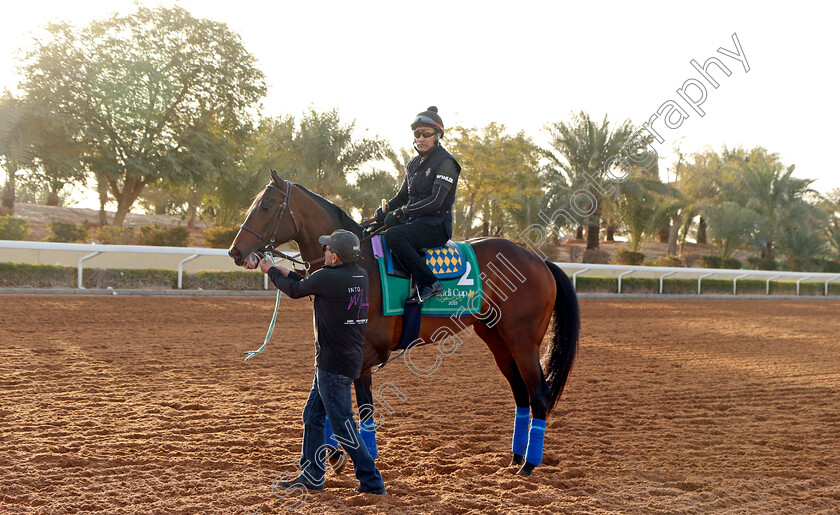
x=593 y=235
x=54 y=188
x=579 y=232
x=611 y=231
x=769 y=251
x=673 y=235
x=686 y=227
x=664 y=233
x=485 y=229
x=593 y=231
x=701 y=230
x=192 y=215
x=102 y=187
x=132 y=187
x=8 y=202
x=53 y=199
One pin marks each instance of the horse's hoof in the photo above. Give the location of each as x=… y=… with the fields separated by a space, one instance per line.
x=518 y=459
x=337 y=461
x=526 y=469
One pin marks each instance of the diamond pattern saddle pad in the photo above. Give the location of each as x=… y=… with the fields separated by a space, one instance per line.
x=445 y=262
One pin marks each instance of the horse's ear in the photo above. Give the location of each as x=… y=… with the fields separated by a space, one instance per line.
x=276 y=178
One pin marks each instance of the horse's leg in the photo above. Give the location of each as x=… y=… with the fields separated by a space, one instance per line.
x=507 y=365
x=523 y=341
x=364 y=400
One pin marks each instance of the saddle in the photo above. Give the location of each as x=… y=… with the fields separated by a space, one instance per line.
x=446 y=262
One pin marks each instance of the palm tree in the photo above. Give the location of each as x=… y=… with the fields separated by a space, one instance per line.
x=318 y=151
x=582 y=148
x=762 y=183
x=730 y=225
x=639 y=205
x=698 y=181
x=830 y=205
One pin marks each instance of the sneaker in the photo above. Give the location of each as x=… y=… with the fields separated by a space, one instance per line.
x=378 y=491
x=301 y=481
x=426 y=293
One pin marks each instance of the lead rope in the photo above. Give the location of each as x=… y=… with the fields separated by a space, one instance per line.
x=307 y=264
x=252 y=353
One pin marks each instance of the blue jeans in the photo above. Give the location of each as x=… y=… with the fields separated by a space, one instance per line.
x=330 y=397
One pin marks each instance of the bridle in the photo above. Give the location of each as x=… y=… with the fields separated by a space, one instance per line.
x=274 y=226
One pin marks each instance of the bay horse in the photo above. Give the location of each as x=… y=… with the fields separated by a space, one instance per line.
x=521 y=292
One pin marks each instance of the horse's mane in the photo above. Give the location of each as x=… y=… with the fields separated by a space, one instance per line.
x=344 y=220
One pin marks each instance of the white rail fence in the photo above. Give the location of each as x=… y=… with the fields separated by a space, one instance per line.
x=661 y=272
x=86 y=252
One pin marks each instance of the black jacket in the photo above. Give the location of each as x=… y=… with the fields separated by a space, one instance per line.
x=428 y=189
x=341 y=312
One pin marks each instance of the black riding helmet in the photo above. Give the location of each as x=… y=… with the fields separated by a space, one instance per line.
x=429 y=118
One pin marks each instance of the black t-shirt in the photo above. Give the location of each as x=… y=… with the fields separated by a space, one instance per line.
x=341 y=312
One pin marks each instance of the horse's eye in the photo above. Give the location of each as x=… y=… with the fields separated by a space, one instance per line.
x=264 y=207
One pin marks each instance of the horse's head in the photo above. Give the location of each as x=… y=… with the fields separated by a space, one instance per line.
x=269 y=222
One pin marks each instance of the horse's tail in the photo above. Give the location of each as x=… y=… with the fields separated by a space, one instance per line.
x=564 y=341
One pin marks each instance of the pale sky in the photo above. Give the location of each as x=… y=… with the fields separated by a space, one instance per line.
x=525 y=64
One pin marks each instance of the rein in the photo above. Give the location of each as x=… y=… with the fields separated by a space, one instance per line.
x=275 y=225
x=308 y=264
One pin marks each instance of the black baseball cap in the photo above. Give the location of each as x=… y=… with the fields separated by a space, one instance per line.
x=343 y=243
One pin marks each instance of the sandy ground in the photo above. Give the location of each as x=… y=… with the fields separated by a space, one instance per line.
x=144 y=405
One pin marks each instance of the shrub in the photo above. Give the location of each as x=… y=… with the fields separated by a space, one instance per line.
x=763 y=263
x=155 y=235
x=66 y=232
x=600 y=257
x=671 y=261
x=831 y=267
x=731 y=263
x=711 y=261
x=801 y=264
x=113 y=235
x=220 y=237
x=12 y=228
x=628 y=257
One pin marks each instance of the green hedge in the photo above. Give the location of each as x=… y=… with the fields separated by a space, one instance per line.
x=15 y=275
x=21 y=275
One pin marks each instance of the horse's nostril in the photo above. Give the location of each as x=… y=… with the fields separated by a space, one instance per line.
x=234 y=253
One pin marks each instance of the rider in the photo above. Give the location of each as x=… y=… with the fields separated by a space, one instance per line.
x=420 y=215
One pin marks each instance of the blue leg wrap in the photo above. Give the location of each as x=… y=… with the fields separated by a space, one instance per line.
x=534 y=454
x=330 y=440
x=520 y=430
x=368 y=434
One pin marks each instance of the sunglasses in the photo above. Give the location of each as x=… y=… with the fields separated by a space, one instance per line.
x=426 y=133
x=325 y=248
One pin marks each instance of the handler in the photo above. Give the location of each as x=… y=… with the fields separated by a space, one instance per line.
x=341 y=309
x=420 y=215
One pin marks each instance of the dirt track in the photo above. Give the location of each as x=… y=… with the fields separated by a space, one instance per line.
x=143 y=404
